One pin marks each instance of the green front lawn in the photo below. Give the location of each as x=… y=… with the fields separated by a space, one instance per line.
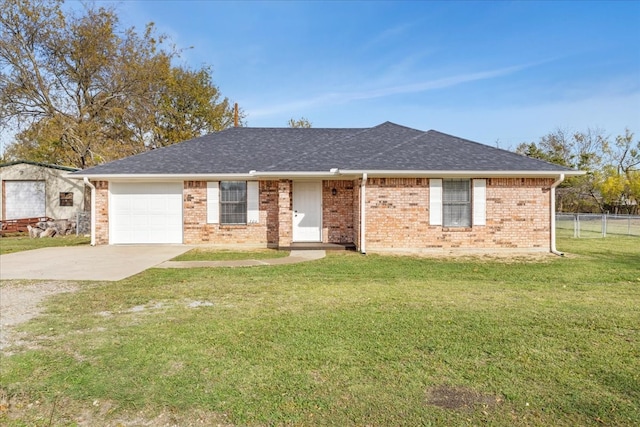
x=347 y=340
x=17 y=243
x=211 y=254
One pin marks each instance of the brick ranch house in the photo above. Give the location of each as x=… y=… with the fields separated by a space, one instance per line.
x=382 y=188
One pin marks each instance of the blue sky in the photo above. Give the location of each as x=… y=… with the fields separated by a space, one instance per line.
x=495 y=72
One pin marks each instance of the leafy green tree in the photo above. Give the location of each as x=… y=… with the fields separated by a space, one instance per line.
x=302 y=122
x=619 y=180
x=611 y=182
x=578 y=150
x=82 y=90
x=188 y=106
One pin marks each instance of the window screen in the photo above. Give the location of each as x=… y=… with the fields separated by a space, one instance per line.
x=233 y=202
x=456 y=201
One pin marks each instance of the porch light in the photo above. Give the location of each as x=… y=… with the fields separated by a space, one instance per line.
x=334 y=191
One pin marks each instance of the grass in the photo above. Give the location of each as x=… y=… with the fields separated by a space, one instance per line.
x=209 y=254
x=18 y=243
x=347 y=340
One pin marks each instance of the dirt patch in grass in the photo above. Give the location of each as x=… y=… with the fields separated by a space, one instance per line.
x=64 y=411
x=20 y=303
x=460 y=398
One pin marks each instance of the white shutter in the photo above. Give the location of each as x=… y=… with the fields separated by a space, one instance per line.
x=479 y=202
x=435 y=202
x=213 y=202
x=253 y=203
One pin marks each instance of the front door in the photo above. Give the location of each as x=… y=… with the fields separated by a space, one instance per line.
x=307 y=211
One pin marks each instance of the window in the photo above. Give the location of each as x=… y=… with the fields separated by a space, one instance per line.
x=66 y=199
x=233 y=202
x=456 y=202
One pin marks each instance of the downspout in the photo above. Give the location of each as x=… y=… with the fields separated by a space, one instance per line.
x=363 y=228
x=553 y=215
x=93 y=210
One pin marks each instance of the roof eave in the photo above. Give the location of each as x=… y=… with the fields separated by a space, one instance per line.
x=462 y=173
x=148 y=177
x=331 y=174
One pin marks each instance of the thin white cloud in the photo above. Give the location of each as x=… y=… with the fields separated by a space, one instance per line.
x=349 y=96
x=386 y=36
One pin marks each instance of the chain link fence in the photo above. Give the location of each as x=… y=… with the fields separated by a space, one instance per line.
x=599 y=225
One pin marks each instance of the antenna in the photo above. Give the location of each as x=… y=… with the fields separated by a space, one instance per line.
x=235 y=115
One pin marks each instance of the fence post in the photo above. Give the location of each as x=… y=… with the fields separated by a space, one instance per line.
x=629 y=225
x=604 y=225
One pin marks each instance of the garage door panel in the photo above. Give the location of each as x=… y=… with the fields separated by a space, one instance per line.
x=146 y=213
x=139 y=204
x=158 y=222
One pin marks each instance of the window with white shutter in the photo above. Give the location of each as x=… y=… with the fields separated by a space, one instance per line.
x=456 y=203
x=233 y=202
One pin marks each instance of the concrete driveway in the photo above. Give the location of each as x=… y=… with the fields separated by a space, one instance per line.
x=86 y=262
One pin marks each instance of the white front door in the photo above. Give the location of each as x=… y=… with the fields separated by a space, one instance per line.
x=307 y=211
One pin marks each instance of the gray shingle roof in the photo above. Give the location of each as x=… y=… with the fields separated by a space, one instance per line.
x=384 y=147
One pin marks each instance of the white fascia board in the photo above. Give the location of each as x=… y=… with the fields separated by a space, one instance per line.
x=301 y=174
x=167 y=177
x=334 y=173
x=460 y=174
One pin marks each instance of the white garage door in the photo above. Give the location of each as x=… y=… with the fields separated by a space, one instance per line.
x=145 y=212
x=24 y=199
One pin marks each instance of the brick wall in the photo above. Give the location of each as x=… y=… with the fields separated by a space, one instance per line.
x=285 y=212
x=194 y=212
x=337 y=211
x=397 y=212
x=397 y=215
x=197 y=231
x=102 y=212
x=517 y=216
x=356 y=212
x=269 y=209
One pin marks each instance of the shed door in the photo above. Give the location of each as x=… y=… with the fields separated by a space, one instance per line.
x=145 y=212
x=307 y=211
x=24 y=199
